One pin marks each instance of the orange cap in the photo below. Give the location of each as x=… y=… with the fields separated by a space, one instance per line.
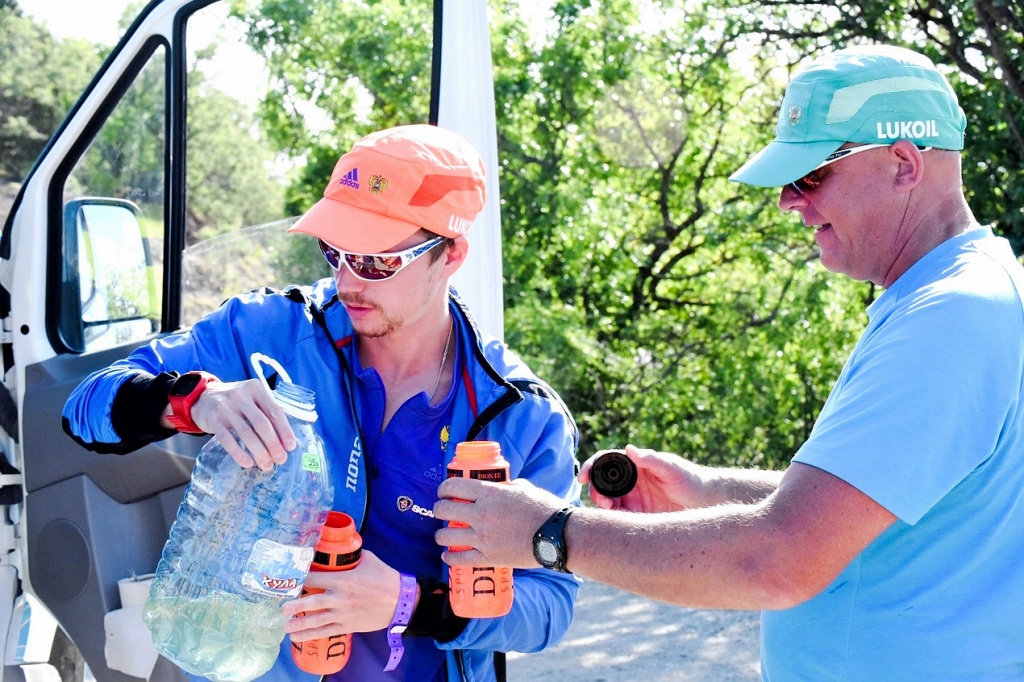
x=395 y=182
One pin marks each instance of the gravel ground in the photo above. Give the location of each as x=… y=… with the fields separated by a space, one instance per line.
x=617 y=637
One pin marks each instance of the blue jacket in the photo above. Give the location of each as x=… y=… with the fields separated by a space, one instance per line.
x=307 y=331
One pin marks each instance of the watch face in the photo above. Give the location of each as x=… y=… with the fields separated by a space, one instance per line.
x=547 y=553
x=185 y=384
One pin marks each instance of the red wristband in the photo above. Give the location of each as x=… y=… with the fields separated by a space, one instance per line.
x=183 y=394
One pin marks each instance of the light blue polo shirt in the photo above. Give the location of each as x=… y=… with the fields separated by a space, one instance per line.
x=927 y=419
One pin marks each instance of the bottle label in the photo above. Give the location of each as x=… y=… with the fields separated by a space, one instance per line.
x=277 y=570
x=499 y=475
x=311 y=462
x=331 y=560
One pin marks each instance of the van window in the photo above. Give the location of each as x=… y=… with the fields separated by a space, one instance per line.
x=236 y=215
x=113 y=232
x=236 y=228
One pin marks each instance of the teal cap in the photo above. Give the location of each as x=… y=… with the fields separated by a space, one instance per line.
x=868 y=94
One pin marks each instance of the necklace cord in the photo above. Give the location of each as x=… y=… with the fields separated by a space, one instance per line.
x=444 y=358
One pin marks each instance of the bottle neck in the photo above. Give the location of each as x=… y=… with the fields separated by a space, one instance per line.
x=297 y=401
x=304 y=412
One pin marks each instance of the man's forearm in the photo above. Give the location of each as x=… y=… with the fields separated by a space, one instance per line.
x=771 y=554
x=726 y=556
x=743 y=486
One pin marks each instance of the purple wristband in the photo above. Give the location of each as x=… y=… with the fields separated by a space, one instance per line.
x=400 y=621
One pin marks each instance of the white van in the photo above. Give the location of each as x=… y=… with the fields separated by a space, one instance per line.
x=84 y=279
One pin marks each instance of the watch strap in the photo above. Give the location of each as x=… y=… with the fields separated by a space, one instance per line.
x=181 y=405
x=400 y=621
x=554 y=530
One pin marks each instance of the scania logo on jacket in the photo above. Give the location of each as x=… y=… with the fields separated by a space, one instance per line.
x=405 y=503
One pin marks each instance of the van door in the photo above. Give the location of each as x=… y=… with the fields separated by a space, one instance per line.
x=92 y=247
x=94 y=260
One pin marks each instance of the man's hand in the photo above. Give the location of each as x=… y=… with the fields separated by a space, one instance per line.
x=362 y=599
x=245 y=411
x=501 y=518
x=665 y=482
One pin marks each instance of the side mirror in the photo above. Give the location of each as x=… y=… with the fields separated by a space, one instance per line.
x=109 y=289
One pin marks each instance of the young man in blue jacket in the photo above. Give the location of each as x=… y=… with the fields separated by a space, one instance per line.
x=401 y=375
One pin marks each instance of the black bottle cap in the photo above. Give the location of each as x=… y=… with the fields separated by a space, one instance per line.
x=613 y=473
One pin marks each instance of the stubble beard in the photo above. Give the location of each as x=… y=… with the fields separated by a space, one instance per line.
x=385 y=327
x=379 y=331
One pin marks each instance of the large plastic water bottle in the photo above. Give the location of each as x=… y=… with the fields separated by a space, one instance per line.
x=242 y=543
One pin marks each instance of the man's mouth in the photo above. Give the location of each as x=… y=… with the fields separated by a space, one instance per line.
x=356 y=306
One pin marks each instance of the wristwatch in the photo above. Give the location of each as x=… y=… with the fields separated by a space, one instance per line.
x=183 y=394
x=549 y=542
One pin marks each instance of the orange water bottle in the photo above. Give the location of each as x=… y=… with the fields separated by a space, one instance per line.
x=479 y=591
x=338 y=550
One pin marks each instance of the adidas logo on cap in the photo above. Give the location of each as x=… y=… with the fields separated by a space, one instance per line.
x=351 y=179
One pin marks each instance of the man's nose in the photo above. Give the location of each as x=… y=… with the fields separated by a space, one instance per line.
x=347 y=281
x=791 y=198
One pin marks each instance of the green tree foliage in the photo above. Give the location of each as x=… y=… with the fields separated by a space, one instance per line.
x=40 y=80
x=359 y=65
x=669 y=307
x=230 y=180
x=700 y=322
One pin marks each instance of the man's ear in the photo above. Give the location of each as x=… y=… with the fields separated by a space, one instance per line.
x=910 y=165
x=455 y=255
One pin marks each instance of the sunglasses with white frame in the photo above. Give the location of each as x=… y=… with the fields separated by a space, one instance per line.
x=374 y=267
x=811 y=181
